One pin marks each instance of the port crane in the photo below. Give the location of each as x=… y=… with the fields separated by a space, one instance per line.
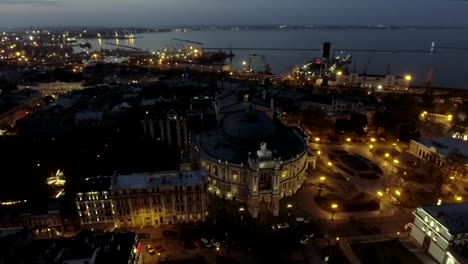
x=266 y=65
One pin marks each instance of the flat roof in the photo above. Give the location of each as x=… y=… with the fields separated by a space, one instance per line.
x=157 y=179
x=453 y=216
x=446 y=145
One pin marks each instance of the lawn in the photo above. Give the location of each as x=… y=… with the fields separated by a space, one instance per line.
x=391 y=251
x=359 y=203
x=326 y=171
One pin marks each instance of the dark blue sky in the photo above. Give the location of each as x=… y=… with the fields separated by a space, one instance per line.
x=179 y=12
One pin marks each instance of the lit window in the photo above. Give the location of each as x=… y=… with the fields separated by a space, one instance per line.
x=429 y=233
x=432 y=224
x=437 y=228
x=434 y=238
x=426 y=219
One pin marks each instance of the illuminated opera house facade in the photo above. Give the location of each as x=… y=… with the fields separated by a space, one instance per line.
x=252 y=158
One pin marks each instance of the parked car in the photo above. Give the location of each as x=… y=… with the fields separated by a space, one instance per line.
x=159 y=248
x=352 y=219
x=206 y=243
x=198 y=243
x=150 y=249
x=304 y=239
x=283 y=226
x=143 y=235
x=215 y=243
x=168 y=233
x=188 y=245
x=409 y=226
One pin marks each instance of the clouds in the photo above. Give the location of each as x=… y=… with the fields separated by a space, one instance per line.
x=199 y=12
x=30 y=2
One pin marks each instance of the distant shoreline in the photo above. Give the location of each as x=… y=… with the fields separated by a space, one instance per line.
x=232 y=27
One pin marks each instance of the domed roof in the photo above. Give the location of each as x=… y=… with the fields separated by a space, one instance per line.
x=248 y=125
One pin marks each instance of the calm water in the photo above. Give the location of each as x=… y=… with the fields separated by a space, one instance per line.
x=450 y=67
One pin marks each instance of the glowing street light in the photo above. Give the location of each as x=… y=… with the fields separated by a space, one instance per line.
x=372 y=139
x=380 y=194
x=449 y=118
x=329 y=164
x=241 y=209
x=459 y=198
x=397 y=192
x=408 y=77
x=334 y=206
x=244 y=63
x=317 y=139
x=396 y=161
x=371 y=146
x=387 y=155
x=339 y=73
x=289 y=206
x=319 y=152
x=322 y=179
x=348 y=139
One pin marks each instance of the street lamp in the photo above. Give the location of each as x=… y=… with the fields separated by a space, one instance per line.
x=387 y=155
x=289 y=206
x=322 y=180
x=396 y=161
x=241 y=212
x=371 y=146
x=317 y=139
x=348 y=140
x=334 y=206
x=379 y=193
x=339 y=73
x=372 y=139
x=329 y=164
x=397 y=192
x=408 y=78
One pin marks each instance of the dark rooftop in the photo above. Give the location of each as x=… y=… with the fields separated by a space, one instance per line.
x=240 y=135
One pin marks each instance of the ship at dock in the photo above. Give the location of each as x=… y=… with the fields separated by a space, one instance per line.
x=327 y=65
x=191 y=55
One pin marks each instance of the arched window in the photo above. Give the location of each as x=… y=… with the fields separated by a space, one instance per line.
x=264 y=181
x=234 y=176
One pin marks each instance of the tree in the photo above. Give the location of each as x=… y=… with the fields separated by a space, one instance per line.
x=358 y=122
x=408 y=132
x=315 y=118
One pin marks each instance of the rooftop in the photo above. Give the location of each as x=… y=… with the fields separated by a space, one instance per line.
x=157 y=179
x=453 y=216
x=242 y=132
x=112 y=248
x=446 y=146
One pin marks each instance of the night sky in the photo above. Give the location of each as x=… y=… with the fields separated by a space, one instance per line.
x=216 y=12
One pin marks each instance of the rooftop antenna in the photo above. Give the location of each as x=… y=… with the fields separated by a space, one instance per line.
x=432 y=48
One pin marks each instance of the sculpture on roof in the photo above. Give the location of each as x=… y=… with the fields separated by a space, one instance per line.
x=263 y=152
